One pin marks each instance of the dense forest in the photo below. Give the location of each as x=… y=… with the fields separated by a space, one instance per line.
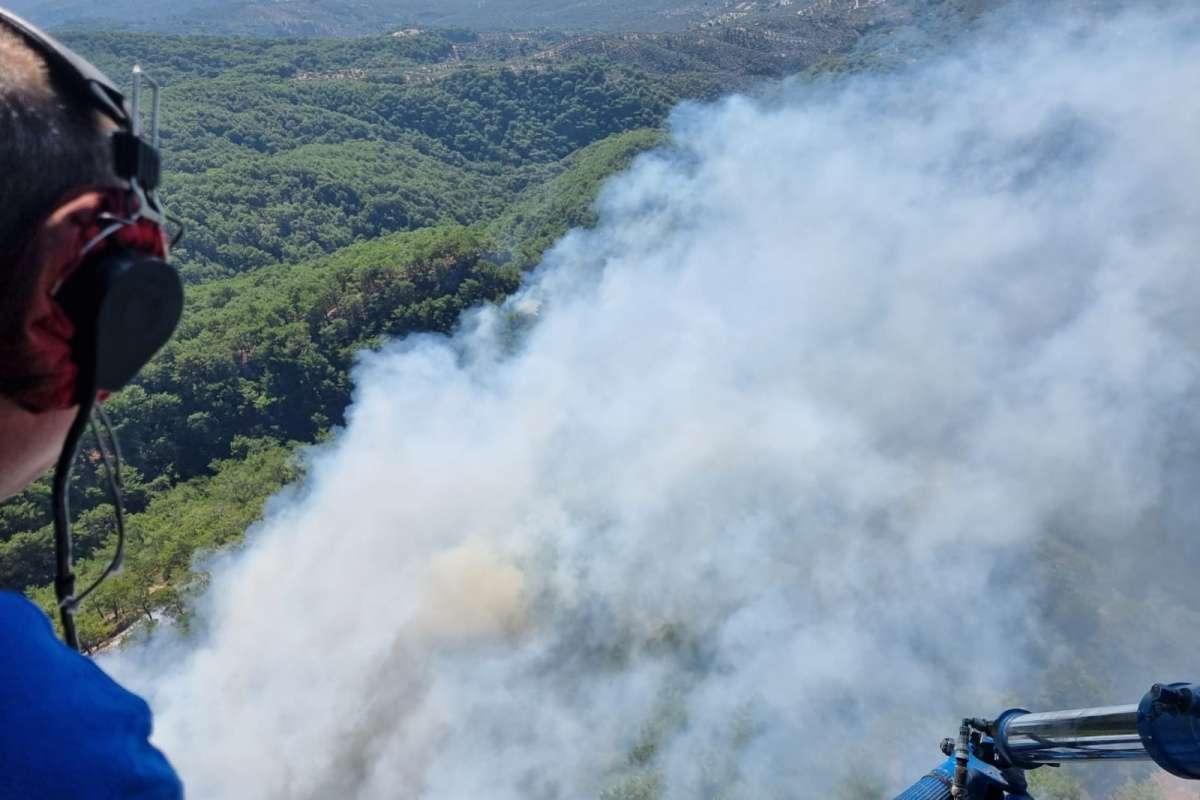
x=278 y=151
x=325 y=17
x=332 y=18
x=320 y=216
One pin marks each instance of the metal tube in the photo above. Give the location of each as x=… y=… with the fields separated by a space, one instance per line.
x=135 y=102
x=155 y=90
x=1081 y=734
x=154 y=138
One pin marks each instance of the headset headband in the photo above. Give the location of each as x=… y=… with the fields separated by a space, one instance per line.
x=134 y=159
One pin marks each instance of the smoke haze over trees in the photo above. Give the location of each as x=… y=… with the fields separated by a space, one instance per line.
x=794 y=451
x=859 y=407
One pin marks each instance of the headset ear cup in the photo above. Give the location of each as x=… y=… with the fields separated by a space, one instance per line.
x=125 y=306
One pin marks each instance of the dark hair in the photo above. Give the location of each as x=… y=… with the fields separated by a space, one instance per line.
x=49 y=143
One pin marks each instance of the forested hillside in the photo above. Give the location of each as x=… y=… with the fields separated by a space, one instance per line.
x=282 y=151
x=322 y=213
x=330 y=18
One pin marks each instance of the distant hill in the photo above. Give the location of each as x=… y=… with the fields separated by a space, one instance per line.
x=699 y=47
x=309 y=18
x=337 y=18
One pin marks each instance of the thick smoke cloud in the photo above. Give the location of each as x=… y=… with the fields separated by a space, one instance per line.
x=760 y=476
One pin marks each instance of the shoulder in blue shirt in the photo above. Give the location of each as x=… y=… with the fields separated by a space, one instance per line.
x=67 y=730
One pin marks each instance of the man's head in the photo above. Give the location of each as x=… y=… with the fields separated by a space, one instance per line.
x=52 y=143
x=53 y=150
x=86 y=297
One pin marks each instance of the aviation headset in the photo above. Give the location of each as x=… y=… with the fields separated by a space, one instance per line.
x=123 y=299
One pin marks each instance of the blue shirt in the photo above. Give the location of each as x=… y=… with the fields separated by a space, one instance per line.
x=67 y=730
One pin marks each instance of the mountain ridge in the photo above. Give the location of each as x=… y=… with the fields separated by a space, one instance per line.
x=309 y=18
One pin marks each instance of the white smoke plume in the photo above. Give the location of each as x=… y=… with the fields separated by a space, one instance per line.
x=762 y=487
